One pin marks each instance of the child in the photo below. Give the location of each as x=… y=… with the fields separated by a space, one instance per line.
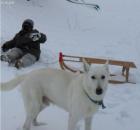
x=24 y=49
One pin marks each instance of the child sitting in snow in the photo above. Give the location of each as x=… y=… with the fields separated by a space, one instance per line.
x=24 y=49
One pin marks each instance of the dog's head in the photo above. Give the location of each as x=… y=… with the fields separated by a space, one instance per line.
x=96 y=79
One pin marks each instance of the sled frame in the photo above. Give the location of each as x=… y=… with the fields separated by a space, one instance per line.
x=126 y=65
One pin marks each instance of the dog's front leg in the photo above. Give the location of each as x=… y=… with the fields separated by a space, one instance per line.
x=27 y=123
x=88 y=123
x=72 y=122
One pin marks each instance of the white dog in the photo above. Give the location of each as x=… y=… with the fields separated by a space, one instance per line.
x=79 y=94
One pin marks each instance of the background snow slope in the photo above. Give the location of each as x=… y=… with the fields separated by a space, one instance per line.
x=113 y=32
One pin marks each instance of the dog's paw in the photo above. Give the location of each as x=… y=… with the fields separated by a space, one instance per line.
x=21 y=128
x=39 y=123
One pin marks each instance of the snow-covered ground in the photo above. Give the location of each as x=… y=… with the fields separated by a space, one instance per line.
x=113 y=32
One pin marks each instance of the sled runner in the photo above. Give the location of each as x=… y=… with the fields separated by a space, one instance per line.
x=126 y=65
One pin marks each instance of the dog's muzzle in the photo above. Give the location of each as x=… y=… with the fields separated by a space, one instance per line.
x=99 y=91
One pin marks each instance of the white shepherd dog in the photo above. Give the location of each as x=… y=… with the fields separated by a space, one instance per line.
x=79 y=94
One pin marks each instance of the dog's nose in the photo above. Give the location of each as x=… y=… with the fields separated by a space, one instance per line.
x=99 y=91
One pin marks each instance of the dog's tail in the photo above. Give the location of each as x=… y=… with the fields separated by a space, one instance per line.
x=7 y=86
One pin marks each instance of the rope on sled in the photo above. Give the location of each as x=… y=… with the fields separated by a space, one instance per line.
x=82 y=2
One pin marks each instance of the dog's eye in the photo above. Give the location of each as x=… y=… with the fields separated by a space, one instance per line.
x=102 y=77
x=93 y=77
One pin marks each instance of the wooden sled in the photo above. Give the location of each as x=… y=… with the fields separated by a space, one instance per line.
x=126 y=65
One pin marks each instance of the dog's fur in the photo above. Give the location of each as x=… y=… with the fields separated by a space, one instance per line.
x=65 y=89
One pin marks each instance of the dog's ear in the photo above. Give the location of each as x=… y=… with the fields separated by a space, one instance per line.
x=86 y=66
x=106 y=65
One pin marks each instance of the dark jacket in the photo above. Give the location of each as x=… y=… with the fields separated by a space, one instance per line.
x=24 y=41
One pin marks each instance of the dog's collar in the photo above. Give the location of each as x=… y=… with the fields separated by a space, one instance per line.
x=95 y=101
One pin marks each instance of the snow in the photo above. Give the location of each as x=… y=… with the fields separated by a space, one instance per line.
x=113 y=33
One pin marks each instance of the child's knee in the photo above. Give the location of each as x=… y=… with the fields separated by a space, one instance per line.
x=25 y=61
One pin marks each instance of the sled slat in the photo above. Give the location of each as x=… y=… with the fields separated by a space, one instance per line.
x=126 y=65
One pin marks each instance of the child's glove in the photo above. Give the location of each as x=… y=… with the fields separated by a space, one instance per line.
x=35 y=36
x=4 y=48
